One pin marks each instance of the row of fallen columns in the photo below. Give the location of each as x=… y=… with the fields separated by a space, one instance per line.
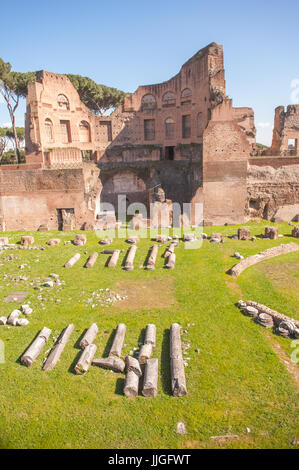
x=129 y=262
x=145 y=366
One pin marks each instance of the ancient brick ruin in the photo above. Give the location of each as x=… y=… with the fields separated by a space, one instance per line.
x=183 y=136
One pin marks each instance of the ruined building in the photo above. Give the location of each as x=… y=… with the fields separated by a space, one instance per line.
x=183 y=136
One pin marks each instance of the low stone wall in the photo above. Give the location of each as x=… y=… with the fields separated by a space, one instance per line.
x=277 y=317
x=236 y=270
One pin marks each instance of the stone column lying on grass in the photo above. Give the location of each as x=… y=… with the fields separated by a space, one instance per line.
x=36 y=347
x=149 y=345
x=152 y=258
x=131 y=384
x=72 y=261
x=114 y=259
x=178 y=380
x=113 y=363
x=130 y=258
x=58 y=348
x=133 y=364
x=170 y=249
x=89 y=336
x=91 y=260
x=118 y=340
x=150 y=384
x=171 y=261
x=86 y=358
x=13 y=317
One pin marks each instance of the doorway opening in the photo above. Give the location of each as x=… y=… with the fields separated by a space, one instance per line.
x=169 y=153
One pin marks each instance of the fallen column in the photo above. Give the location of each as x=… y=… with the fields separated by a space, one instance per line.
x=130 y=258
x=36 y=347
x=133 y=365
x=91 y=260
x=72 y=261
x=178 y=380
x=114 y=259
x=58 y=348
x=118 y=340
x=150 y=384
x=13 y=317
x=150 y=335
x=277 y=317
x=152 y=258
x=146 y=351
x=131 y=385
x=113 y=363
x=170 y=249
x=86 y=358
x=171 y=261
x=89 y=336
x=149 y=345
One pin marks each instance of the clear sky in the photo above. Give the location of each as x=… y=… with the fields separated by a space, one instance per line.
x=129 y=43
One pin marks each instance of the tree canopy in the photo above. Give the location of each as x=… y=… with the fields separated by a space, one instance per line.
x=98 y=98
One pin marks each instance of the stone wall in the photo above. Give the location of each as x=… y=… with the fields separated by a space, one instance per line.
x=29 y=198
x=286 y=130
x=273 y=192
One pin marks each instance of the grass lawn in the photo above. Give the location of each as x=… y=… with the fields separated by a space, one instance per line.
x=236 y=381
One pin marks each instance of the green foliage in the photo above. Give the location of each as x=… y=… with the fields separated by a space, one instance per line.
x=98 y=98
x=261 y=146
x=236 y=381
x=16 y=82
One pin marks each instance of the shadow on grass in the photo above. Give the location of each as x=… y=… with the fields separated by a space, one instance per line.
x=18 y=361
x=71 y=369
x=147 y=257
x=78 y=340
x=165 y=363
x=119 y=387
x=76 y=345
x=109 y=344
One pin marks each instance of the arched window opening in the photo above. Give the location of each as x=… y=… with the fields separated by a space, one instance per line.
x=169 y=127
x=168 y=99
x=84 y=131
x=148 y=102
x=63 y=102
x=186 y=96
x=49 y=130
x=186 y=93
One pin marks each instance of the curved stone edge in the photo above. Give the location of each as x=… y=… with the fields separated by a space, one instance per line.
x=236 y=270
x=277 y=317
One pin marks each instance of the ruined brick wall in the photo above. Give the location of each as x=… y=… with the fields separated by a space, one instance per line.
x=29 y=198
x=56 y=118
x=273 y=191
x=245 y=119
x=225 y=153
x=182 y=134
x=286 y=131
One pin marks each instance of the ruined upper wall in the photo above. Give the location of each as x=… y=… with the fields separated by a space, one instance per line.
x=164 y=116
x=286 y=130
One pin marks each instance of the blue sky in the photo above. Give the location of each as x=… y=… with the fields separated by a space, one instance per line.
x=129 y=43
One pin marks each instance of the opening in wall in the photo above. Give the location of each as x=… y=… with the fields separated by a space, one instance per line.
x=169 y=153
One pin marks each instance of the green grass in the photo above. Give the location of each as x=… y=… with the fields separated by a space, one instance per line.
x=236 y=381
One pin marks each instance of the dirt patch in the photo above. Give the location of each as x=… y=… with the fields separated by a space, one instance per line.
x=234 y=287
x=292 y=368
x=17 y=296
x=284 y=276
x=145 y=294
